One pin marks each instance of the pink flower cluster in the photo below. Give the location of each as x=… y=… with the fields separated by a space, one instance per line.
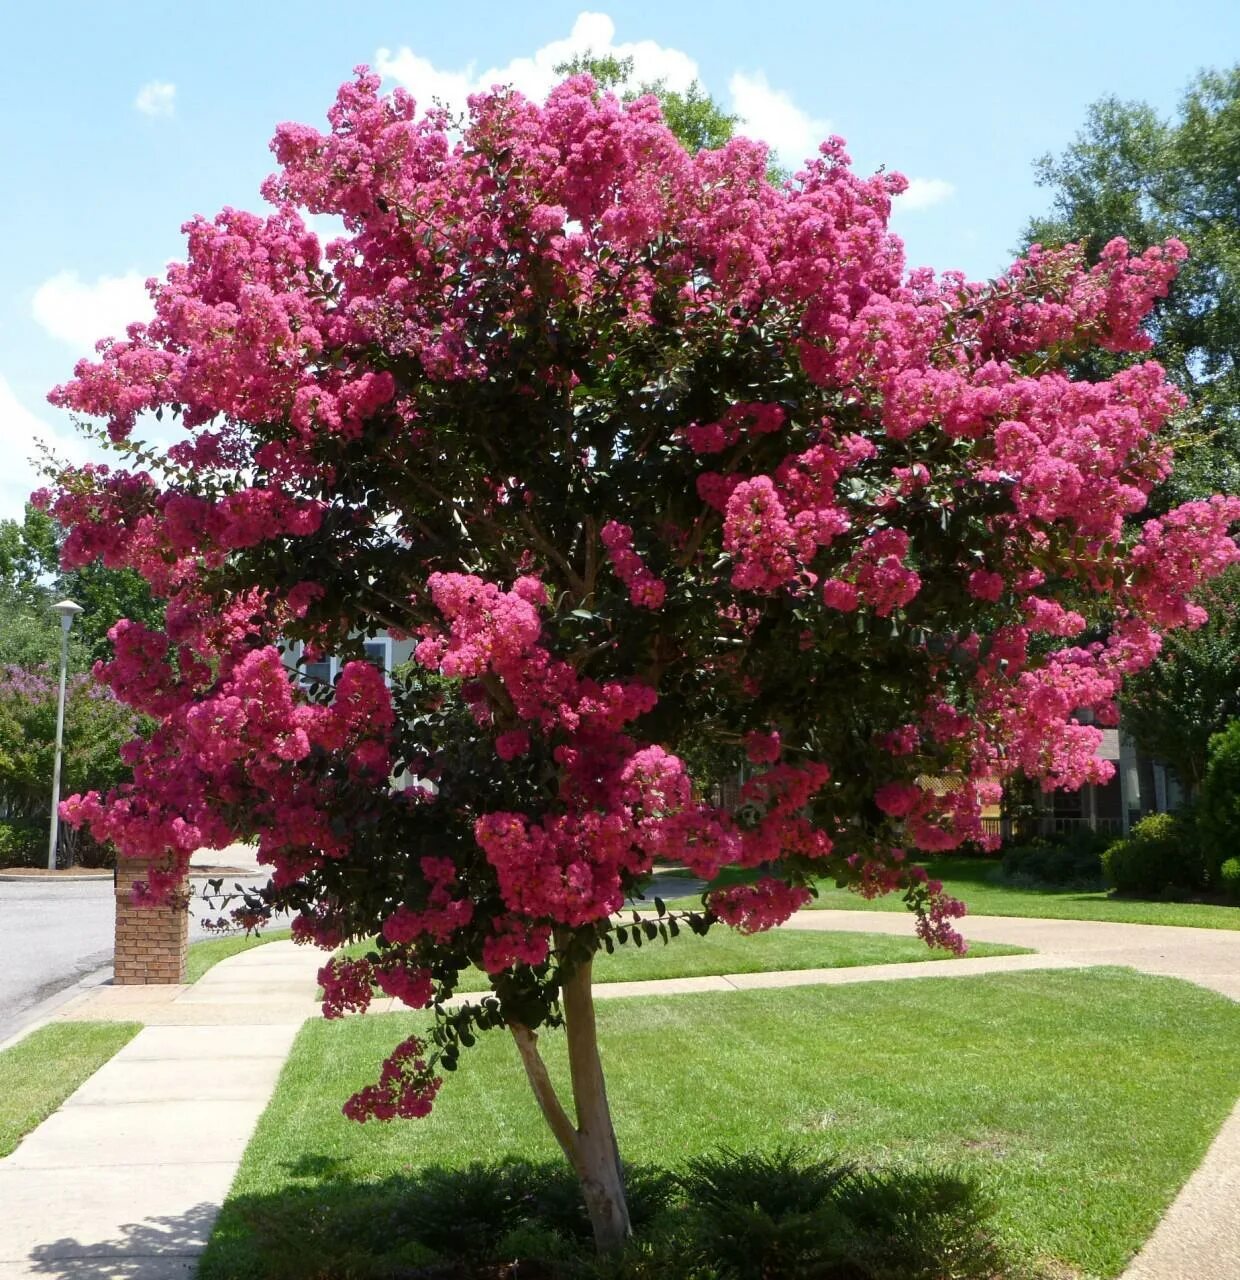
x=752 y=908
x=406 y=1088
x=645 y=589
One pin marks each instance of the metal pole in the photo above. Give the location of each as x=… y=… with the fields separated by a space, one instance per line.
x=65 y=623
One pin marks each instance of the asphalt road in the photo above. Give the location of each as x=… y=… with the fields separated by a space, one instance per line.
x=51 y=936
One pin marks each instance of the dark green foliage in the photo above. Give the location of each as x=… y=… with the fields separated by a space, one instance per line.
x=1131 y=173
x=31 y=581
x=23 y=842
x=730 y=1216
x=1174 y=707
x=1074 y=862
x=1218 y=802
x=96 y=727
x=1159 y=857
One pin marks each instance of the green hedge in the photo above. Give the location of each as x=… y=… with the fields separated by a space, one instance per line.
x=23 y=843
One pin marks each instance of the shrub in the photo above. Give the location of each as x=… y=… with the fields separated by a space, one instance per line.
x=23 y=842
x=1074 y=862
x=725 y=1216
x=1229 y=878
x=1218 y=802
x=1159 y=856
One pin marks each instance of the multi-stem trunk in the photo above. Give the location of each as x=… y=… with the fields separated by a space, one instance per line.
x=590 y=1144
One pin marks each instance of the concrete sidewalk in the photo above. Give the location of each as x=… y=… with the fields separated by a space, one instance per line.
x=127 y=1178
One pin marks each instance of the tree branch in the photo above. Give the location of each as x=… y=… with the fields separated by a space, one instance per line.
x=544 y=1091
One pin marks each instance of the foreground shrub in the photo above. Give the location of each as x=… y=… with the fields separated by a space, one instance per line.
x=727 y=1216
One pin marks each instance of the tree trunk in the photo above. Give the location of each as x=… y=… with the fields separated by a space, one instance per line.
x=590 y=1145
x=602 y=1181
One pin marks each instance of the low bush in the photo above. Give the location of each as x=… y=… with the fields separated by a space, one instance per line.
x=1229 y=879
x=1071 y=863
x=728 y=1216
x=23 y=843
x=1159 y=856
x=1218 y=803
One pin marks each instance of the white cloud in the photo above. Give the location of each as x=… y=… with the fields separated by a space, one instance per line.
x=922 y=193
x=764 y=112
x=771 y=115
x=21 y=433
x=81 y=313
x=156 y=98
x=535 y=76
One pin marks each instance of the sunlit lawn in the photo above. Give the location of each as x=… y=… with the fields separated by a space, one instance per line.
x=973 y=880
x=204 y=955
x=723 y=951
x=1082 y=1100
x=39 y=1072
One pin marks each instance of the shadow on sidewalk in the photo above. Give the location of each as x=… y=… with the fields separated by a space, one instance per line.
x=161 y=1248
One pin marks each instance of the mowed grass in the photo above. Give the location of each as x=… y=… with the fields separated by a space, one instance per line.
x=973 y=881
x=204 y=955
x=1081 y=1100
x=38 y=1073
x=724 y=951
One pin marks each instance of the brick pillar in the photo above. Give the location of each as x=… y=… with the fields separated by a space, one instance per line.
x=150 y=941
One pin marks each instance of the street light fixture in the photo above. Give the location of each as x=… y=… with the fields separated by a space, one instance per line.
x=67 y=611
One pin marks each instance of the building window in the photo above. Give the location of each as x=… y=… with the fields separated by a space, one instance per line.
x=313 y=674
x=379 y=652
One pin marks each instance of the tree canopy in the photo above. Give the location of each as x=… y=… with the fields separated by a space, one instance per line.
x=669 y=471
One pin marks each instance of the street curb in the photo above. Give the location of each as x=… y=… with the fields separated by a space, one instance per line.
x=55 y=877
x=44 y=1012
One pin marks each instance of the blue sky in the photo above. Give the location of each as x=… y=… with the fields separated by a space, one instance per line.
x=122 y=120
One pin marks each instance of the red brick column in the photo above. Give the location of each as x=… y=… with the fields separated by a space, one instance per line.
x=150 y=941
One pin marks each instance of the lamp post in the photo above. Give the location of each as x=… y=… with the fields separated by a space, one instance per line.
x=67 y=611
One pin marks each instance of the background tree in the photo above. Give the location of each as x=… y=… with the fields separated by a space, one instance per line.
x=97 y=728
x=1134 y=174
x=1177 y=704
x=31 y=580
x=659 y=463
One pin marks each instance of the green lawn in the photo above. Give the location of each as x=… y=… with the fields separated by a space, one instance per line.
x=723 y=951
x=202 y=956
x=1081 y=1100
x=973 y=881
x=38 y=1073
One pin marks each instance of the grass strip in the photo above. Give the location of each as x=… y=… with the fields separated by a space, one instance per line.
x=39 y=1072
x=1081 y=1100
x=205 y=955
x=724 y=951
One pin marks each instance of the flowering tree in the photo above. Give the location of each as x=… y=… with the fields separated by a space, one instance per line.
x=671 y=472
x=97 y=729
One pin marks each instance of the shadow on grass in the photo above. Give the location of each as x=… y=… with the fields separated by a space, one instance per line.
x=728 y=1216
